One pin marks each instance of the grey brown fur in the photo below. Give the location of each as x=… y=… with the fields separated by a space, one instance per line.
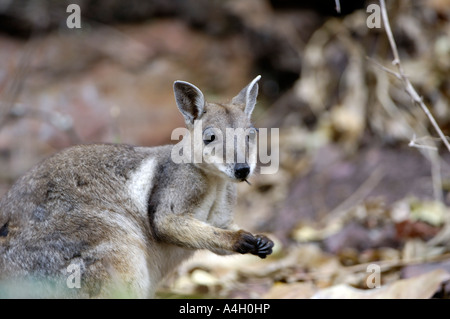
x=126 y=216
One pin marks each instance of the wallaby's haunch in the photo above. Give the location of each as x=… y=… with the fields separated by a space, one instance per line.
x=126 y=216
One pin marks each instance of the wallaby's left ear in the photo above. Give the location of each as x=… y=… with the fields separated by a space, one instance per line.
x=247 y=96
x=190 y=100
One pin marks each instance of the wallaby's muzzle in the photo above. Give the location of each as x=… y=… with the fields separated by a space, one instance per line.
x=241 y=171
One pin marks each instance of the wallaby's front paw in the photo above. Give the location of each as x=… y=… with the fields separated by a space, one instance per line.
x=258 y=245
x=245 y=242
x=264 y=246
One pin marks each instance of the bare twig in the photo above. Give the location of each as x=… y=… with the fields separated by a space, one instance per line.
x=338 y=6
x=413 y=143
x=401 y=75
x=432 y=154
x=382 y=67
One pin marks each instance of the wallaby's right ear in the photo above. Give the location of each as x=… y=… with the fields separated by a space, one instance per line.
x=247 y=96
x=190 y=101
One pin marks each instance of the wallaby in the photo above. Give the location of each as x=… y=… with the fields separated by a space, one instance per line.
x=124 y=216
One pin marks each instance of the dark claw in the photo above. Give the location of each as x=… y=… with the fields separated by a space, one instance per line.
x=264 y=246
x=268 y=246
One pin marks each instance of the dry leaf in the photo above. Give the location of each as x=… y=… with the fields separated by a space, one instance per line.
x=420 y=287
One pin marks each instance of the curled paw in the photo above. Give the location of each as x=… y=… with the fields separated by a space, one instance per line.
x=263 y=246
x=259 y=245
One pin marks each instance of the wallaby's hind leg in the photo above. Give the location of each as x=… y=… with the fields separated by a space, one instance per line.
x=65 y=268
x=120 y=272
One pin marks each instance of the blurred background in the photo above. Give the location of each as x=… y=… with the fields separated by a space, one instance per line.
x=363 y=177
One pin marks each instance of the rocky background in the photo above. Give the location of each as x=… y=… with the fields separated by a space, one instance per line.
x=363 y=180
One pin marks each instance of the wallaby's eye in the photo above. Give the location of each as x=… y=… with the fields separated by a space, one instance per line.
x=208 y=136
x=251 y=133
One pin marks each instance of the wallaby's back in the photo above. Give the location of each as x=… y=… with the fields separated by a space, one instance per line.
x=75 y=207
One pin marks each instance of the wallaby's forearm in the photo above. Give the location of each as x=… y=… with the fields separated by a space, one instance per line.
x=188 y=232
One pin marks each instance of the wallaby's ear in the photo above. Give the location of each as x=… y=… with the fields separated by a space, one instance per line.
x=247 y=96
x=190 y=100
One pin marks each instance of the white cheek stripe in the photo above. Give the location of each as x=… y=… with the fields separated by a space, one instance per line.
x=252 y=167
x=140 y=184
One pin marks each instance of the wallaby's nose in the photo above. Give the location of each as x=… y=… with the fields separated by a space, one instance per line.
x=241 y=170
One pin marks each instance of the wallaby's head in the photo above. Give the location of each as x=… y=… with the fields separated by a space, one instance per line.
x=221 y=135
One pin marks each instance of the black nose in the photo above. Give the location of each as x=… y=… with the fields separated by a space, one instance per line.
x=241 y=171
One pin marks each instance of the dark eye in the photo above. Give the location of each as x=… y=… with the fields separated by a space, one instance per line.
x=251 y=133
x=208 y=137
